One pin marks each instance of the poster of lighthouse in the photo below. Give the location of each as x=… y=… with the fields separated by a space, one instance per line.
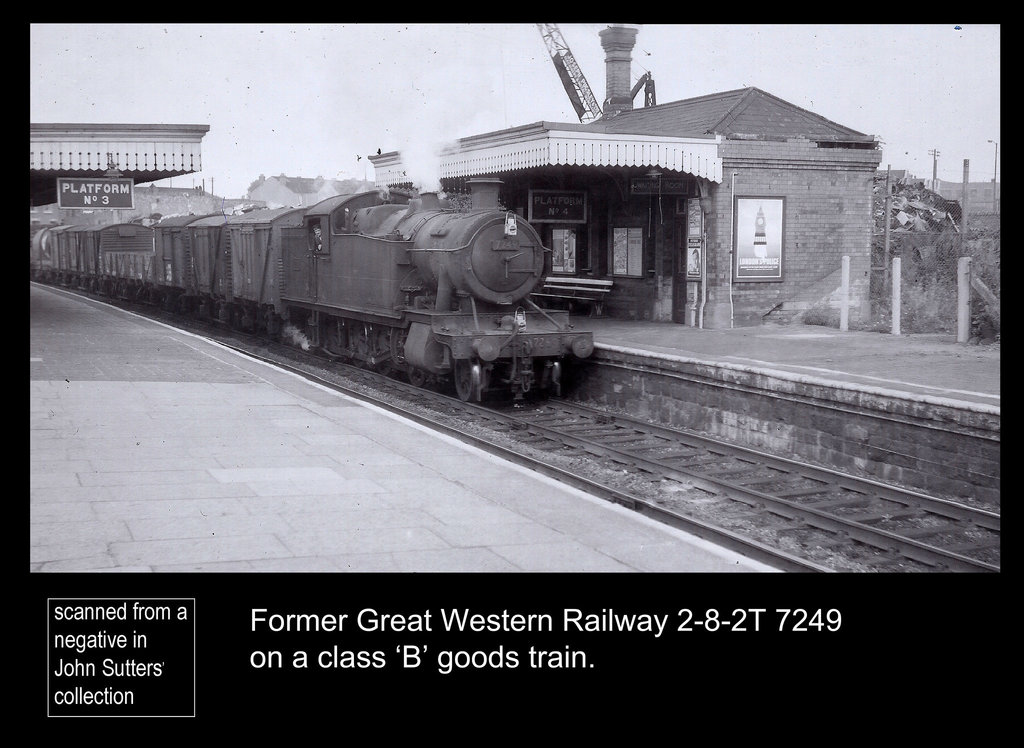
x=758 y=238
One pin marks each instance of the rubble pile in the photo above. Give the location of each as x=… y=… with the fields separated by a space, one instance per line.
x=914 y=207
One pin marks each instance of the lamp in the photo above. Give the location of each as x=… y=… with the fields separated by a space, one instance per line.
x=654 y=173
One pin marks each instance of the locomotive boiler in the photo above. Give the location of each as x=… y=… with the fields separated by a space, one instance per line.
x=408 y=284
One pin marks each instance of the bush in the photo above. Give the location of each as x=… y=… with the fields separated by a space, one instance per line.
x=821 y=314
x=928 y=308
x=929 y=280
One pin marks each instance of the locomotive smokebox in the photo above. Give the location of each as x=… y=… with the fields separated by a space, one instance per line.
x=485 y=193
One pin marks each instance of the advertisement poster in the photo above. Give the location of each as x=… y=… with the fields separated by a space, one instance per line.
x=563 y=251
x=759 y=238
x=694 y=233
x=627 y=251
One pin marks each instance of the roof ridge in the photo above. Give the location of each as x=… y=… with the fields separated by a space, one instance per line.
x=808 y=112
x=736 y=109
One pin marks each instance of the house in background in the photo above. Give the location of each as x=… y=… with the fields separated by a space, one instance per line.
x=300 y=192
x=979 y=194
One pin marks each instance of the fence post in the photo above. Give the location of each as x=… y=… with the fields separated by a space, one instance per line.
x=963 y=200
x=888 y=220
x=896 y=311
x=844 y=302
x=963 y=300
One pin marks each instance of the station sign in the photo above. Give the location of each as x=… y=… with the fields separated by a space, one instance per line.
x=93 y=193
x=557 y=206
x=663 y=186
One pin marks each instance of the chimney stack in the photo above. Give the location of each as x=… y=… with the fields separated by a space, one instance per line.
x=484 y=191
x=618 y=42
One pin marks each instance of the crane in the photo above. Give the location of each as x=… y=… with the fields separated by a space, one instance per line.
x=647 y=81
x=575 y=83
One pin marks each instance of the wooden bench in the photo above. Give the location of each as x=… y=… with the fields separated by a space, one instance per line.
x=590 y=291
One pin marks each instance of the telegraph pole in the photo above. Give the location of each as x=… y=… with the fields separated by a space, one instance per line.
x=888 y=217
x=934 y=153
x=995 y=165
x=893 y=281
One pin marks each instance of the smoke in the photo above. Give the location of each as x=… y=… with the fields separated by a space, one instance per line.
x=295 y=335
x=421 y=158
x=440 y=97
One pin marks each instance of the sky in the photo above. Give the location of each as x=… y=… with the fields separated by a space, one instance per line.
x=310 y=100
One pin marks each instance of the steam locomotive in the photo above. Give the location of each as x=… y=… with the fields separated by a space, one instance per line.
x=395 y=282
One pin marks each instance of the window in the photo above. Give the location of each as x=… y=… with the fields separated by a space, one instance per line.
x=316 y=239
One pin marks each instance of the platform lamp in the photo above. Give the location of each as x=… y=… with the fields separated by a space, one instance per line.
x=112 y=172
x=704 y=196
x=995 y=165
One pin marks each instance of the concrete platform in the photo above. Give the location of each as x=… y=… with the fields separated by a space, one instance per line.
x=932 y=367
x=154 y=450
x=917 y=411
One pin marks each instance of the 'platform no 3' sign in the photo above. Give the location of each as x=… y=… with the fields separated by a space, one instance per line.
x=95 y=193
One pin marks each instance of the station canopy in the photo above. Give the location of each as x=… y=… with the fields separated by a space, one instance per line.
x=144 y=153
x=560 y=144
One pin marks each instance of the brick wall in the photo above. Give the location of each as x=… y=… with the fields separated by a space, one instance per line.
x=828 y=214
x=944 y=450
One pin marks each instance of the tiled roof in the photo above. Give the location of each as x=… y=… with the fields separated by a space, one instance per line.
x=302 y=185
x=311 y=185
x=745 y=111
x=680 y=136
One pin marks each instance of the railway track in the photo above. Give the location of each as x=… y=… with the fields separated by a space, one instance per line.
x=781 y=511
x=792 y=515
x=886 y=525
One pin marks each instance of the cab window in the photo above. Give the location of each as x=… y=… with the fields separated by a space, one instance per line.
x=316 y=238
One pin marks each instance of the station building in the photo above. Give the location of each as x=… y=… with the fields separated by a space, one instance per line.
x=717 y=211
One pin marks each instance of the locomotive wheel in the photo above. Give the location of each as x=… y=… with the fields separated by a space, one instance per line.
x=334 y=339
x=381 y=349
x=417 y=377
x=467 y=380
x=397 y=343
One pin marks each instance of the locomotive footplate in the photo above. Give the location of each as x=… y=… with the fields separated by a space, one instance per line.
x=435 y=341
x=491 y=345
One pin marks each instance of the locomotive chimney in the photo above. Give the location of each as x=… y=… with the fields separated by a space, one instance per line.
x=430 y=201
x=485 y=192
x=618 y=41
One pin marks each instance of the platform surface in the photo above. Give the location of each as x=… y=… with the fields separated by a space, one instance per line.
x=153 y=450
x=917 y=366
